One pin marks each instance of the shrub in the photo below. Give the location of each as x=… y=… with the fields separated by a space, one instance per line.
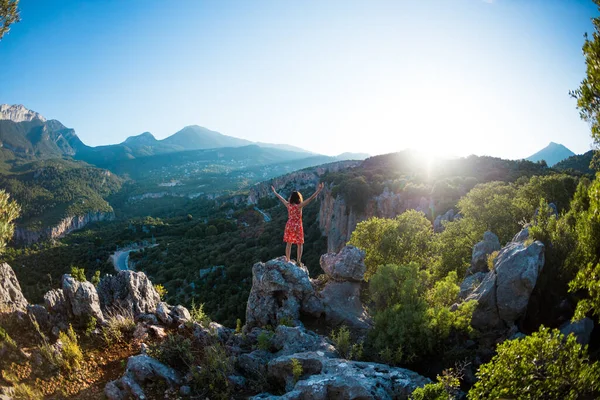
x=296 y=369
x=210 y=378
x=545 y=365
x=119 y=322
x=238 y=326
x=175 y=351
x=447 y=387
x=264 y=340
x=78 y=274
x=342 y=341
x=198 y=315
x=96 y=278
x=90 y=327
x=491 y=259
x=26 y=392
x=160 y=289
x=70 y=351
x=286 y=321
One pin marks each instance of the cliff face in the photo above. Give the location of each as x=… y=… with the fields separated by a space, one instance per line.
x=337 y=221
x=303 y=179
x=18 y=113
x=64 y=227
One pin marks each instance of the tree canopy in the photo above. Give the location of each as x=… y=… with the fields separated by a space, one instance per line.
x=9 y=14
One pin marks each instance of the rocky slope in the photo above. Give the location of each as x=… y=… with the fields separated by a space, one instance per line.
x=18 y=113
x=67 y=225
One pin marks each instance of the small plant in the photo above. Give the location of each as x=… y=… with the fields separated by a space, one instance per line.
x=175 y=351
x=491 y=259
x=96 y=278
x=25 y=392
x=118 y=324
x=356 y=353
x=238 y=326
x=264 y=340
x=70 y=351
x=6 y=340
x=90 y=327
x=296 y=369
x=198 y=315
x=210 y=377
x=286 y=321
x=160 y=289
x=447 y=387
x=78 y=274
x=342 y=342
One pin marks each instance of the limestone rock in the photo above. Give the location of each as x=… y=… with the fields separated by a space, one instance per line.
x=280 y=290
x=180 y=314
x=81 y=299
x=582 y=330
x=481 y=251
x=289 y=340
x=129 y=291
x=438 y=223
x=280 y=369
x=504 y=293
x=254 y=364
x=470 y=283
x=342 y=305
x=56 y=304
x=163 y=312
x=11 y=296
x=522 y=236
x=348 y=264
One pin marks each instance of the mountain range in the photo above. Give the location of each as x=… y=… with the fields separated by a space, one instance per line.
x=26 y=133
x=552 y=154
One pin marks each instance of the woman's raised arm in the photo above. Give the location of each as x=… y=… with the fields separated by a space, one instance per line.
x=284 y=201
x=314 y=195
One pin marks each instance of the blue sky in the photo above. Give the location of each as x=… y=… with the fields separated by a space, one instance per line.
x=453 y=77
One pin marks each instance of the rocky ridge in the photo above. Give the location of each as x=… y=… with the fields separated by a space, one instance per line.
x=18 y=113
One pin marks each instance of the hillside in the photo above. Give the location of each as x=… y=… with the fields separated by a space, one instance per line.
x=552 y=154
x=577 y=164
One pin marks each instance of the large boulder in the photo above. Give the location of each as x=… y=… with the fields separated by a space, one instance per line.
x=332 y=378
x=481 y=251
x=289 y=340
x=347 y=265
x=438 y=223
x=56 y=305
x=582 y=330
x=141 y=370
x=470 y=283
x=11 y=296
x=342 y=305
x=504 y=293
x=280 y=291
x=81 y=299
x=128 y=291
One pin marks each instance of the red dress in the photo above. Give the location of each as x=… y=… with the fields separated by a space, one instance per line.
x=294 y=232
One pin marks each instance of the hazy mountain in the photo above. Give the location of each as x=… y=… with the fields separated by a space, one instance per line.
x=352 y=156
x=552 y=154
x=579 y=163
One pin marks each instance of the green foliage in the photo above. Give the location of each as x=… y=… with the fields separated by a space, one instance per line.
x=70 y=352
x=91 y=326
x=23 y=391
x=96 y=278
x=119 y=325
x=264 y=340
x=9 y=209
x=78 y=274
x=211 y=376
x=342 y=341
x=405 y=239
x=453 y=249
x=447 y=387
x=297 y=370
x=160 y=289
x=413 y=321
x=175 y=351
x=545 y=365
x=286 y=321
x=9 y=14
x=491 y=259
x=238 y=326
x=198 y=315
x=6 y=340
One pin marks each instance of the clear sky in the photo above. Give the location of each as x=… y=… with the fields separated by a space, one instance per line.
x=456 y=77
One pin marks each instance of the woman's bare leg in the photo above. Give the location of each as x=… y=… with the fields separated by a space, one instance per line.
x=299 y=248
x=288 y=251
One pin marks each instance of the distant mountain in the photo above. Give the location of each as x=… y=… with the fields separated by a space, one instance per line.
x=579 y=163
x=352 y=156
x=552 y=154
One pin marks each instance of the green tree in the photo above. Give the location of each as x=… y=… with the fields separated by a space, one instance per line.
x=9 y=14
x=402 y=240
x=545 y=365
x=9 y=211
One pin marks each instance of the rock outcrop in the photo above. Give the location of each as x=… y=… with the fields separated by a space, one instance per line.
x=504 y=293
x=81 y=299
x=11 y=296
x=333 y=378
x=19 y=113
x=448 y=216
x=280 y=291
x=128 y=291
x=65 y=226
x=582 y=330
x=481 y=251
x=337 y=220
x=347 y=265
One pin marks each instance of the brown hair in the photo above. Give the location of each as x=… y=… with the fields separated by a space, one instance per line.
x=296 y=198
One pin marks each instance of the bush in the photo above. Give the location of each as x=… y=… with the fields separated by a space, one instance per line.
x=210 y=378
x=198 y=315
x=297 y=370
x=342 y=341
x=545 y=365
x=264 y=340
x=160 y=289
x=70 y=352
x=238 y=326
x=78 y=274
x=96 y=278
x=447 y=387
x=119 y=323
x=26 y=392
x=175 y=351
x=91 y=326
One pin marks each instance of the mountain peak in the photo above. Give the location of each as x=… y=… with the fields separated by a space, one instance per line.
x=19 y=113
x=552 y=154
x=145 y=138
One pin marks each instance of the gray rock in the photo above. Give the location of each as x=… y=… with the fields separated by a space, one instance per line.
x=180 y=314
x=254 y=364
x=221 y=332
x=342 y=379
x=470 y=283
x=237 y=381
x=342 y=305
x=522 y=236
x=280 y=369
x=81 y=299
x=504 y=293
x=163 y=312
x=56 y=304
x=185 y=390
x=348 y=264
x=279 y=291
x=112 y=391
x=481 y=251
x=289 y=340
x=129 y=291
x=582 y=330
x=41 y=316
x=11 y=296
x=438 y=223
